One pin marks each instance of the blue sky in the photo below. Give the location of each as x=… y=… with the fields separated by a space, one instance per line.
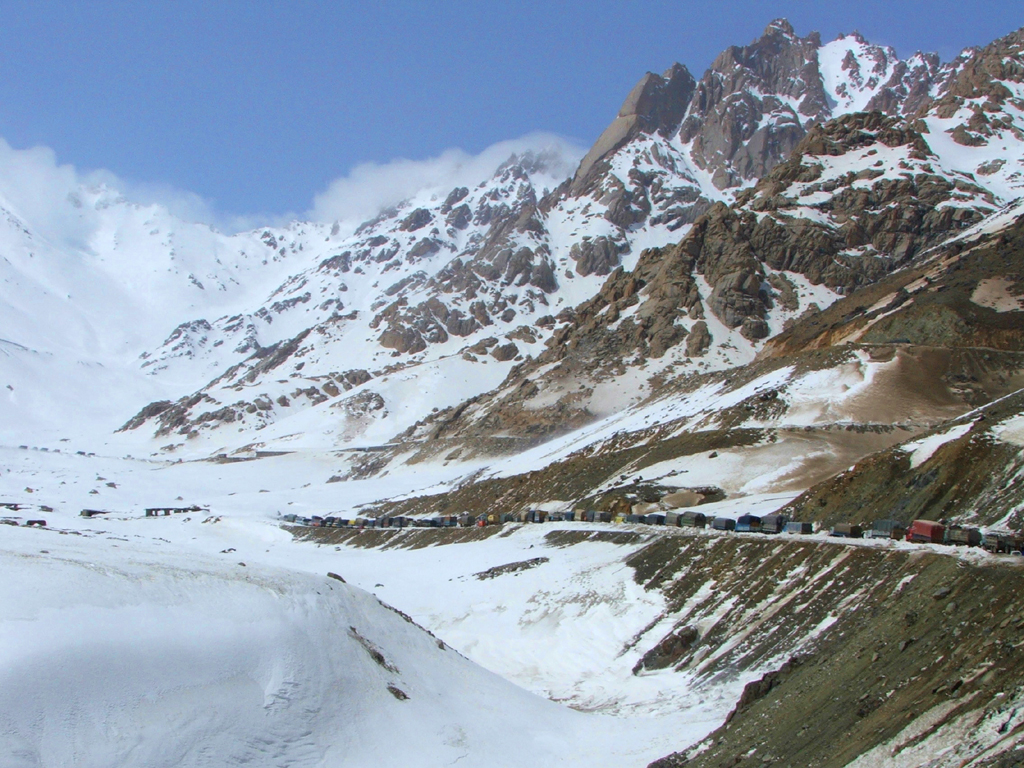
x=257 y=106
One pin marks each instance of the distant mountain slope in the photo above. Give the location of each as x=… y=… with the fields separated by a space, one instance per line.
x=537 y=272
x=504 y=274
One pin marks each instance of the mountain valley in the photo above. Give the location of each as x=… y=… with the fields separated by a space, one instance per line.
x=793 y=285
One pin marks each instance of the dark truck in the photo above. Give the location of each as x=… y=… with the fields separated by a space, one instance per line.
x=959 y=536
x=887 y=529
x=847 y=531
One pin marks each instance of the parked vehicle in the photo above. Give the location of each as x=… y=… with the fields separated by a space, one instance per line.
x=748 y=524
x=693 y=520
x=847 y=531
x=1002 y=542
x=959 y=536
x=773 y=524
x=887 y=529
x=802 y=529
x=723 y=524
x=926 y=532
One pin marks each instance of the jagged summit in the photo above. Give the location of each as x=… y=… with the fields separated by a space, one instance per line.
x=780 y=26
x=657 y=104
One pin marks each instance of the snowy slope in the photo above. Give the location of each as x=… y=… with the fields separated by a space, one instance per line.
x=112 y=653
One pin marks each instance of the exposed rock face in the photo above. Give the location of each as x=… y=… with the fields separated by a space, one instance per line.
x=934 y=303
x=749 y=109
x=596 y=257
x=655 y=105
x=504 y=352
x=698 y=340
x=983 y=84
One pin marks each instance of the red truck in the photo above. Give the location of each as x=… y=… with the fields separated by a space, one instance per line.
x=926 y=532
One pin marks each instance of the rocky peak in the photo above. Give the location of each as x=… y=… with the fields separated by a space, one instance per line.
x=781 y=28
x=749 y=109
x=656 y=104
x=983 y=76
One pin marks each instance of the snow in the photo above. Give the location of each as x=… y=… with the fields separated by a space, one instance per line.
x=922 y=450
x=1010 y=431
x=995 y=293
x=112 y=657
x=269 y=662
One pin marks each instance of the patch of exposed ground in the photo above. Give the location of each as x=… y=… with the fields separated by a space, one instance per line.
x=921 y=659
x=386 y=538
x=975 y=478
x=504 y=570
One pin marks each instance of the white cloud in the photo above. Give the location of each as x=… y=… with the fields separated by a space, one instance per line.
x=41 y=192
x=371 y=187
x=48 y=195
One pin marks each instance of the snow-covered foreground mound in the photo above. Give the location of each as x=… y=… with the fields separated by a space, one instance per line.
x=116 y=656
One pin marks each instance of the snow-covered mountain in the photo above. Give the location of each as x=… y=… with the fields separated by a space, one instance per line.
x=460 y=287
x=791 y=284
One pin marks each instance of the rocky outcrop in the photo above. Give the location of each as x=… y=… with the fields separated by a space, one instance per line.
x=750 y=108
x=598 y=256
x=655 y=105
x=982 y=77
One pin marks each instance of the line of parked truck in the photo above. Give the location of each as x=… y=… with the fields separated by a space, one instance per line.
x=919 y=531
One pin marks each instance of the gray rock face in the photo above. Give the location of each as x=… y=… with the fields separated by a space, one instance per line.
x=598 y=256
x=742 y=122
x=737 y=296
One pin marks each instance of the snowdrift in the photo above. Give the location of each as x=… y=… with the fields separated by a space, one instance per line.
x=115 y=660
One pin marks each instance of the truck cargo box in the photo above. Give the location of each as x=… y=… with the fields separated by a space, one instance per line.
x=847 y=531
x=926 y=532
